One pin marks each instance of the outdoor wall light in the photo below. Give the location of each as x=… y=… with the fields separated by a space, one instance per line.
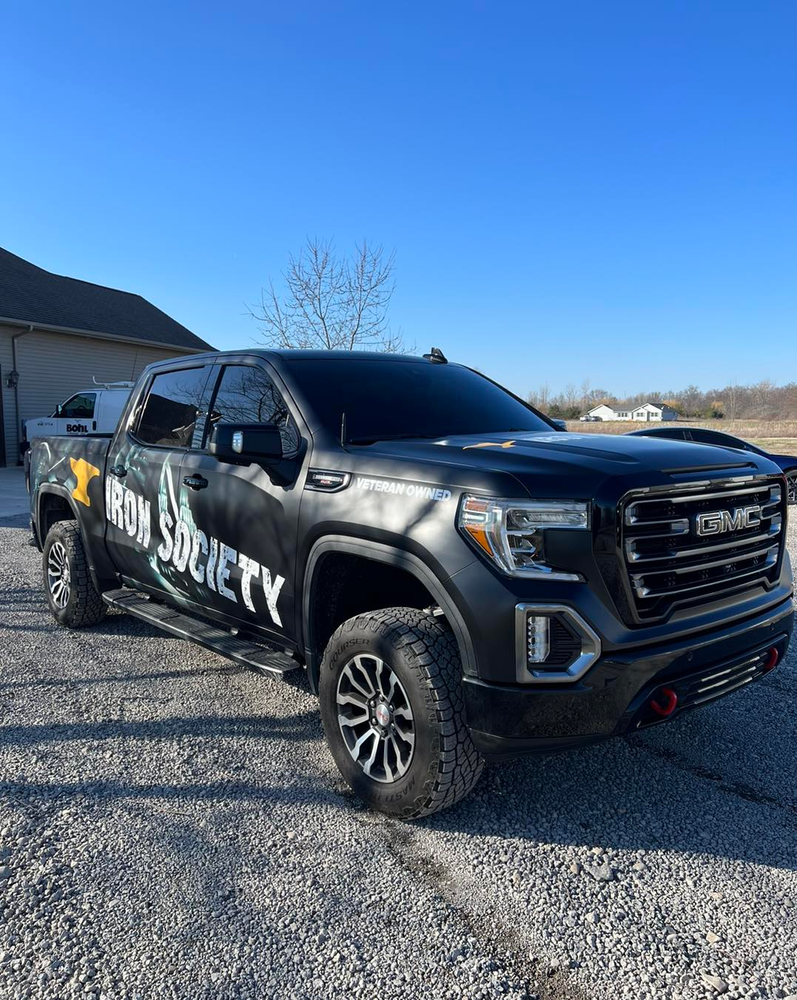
x=12 y=379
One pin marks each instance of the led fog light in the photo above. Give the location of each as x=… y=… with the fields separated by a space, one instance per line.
x=539 y=638
x=554 y=644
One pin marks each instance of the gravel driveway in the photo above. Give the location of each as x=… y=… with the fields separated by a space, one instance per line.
x=172 y=826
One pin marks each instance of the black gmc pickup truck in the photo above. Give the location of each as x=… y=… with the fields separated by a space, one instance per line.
x=458 y=577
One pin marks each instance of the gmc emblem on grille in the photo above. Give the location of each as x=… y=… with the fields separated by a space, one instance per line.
x=720 y=521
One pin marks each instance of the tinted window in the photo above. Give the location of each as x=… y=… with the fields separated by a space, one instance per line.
x=669 y=433
x=388 y=399
x=171 y=408
x=248 y=395
x=81 y=405
x=716 y=437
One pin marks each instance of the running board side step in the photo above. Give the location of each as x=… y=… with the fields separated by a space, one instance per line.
x=265 y=659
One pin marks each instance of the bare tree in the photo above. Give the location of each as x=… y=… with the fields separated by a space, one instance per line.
x=733 y=393
x=331 y=302
x=586 y=395
x=539 y=397
x=763 y=393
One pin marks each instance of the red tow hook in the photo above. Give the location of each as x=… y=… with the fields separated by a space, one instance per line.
x=772 y=660
x=666 y=707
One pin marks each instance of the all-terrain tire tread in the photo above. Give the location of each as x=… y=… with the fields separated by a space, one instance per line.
x=89 y=607
x=435 y=656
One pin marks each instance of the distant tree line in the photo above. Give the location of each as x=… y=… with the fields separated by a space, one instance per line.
x=762 y=401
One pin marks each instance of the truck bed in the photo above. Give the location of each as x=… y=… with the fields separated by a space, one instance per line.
x=71 y=469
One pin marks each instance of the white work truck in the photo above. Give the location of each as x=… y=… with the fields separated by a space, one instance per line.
x=90 y=411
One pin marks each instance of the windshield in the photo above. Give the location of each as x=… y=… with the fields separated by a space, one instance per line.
x=398 y=399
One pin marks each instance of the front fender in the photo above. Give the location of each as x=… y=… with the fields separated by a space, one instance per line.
x=393 y=556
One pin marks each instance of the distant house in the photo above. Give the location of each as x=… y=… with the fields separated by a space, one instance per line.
x=647 y=412
x=57 y=332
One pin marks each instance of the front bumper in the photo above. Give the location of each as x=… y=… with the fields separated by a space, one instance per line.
x=614 y=696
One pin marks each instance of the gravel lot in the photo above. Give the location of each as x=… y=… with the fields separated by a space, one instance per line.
x=172 y=826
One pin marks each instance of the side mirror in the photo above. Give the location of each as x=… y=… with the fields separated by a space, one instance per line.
x=246 y=443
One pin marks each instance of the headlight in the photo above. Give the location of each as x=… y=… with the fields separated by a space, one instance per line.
x=512 y=532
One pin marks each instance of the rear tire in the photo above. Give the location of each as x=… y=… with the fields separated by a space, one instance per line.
x=393 y=712
x=73 y=599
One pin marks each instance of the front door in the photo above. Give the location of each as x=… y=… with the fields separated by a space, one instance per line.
x=142 y=489
x=242 y=527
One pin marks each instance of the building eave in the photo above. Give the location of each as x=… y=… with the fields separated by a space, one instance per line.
x=69 y=331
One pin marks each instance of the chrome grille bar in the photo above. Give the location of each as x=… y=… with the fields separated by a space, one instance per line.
x=668 y=562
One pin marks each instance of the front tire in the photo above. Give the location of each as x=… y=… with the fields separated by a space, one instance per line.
x=71 y=595
x=393 y=712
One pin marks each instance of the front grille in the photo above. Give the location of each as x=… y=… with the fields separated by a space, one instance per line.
x=670 y=563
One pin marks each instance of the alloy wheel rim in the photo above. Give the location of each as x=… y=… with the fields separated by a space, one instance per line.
x=375 y=718
x=59 y=577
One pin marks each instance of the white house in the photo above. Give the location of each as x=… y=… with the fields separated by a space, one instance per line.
x=647 y=413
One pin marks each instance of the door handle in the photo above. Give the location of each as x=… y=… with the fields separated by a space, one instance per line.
x=119 y=471
x=195 y=482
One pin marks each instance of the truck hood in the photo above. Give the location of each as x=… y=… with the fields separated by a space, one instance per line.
x=573 y=464
x=642 y=454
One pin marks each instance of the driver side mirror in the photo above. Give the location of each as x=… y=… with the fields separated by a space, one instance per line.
x=246 y=443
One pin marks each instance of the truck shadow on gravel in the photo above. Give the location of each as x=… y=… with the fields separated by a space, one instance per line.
x=253 y=727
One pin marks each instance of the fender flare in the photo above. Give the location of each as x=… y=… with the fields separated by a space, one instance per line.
x=392 y=556
x=56 y=489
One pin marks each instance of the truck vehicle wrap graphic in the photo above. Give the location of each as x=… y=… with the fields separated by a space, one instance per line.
x=459 y=578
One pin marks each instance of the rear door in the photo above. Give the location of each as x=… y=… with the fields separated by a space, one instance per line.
x=242 y=525
x=143 y=500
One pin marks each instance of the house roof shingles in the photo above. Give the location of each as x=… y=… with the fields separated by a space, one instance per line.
x=29 y=294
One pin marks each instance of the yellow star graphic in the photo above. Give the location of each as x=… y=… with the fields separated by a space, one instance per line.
x=84 y=473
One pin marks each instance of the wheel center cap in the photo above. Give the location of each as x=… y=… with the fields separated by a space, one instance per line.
x=382 y=715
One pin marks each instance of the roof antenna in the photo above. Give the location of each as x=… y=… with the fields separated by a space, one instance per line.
x=436 y=357
x=343 y=430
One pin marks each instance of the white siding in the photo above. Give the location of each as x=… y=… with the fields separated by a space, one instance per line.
x=603 y=411
x=648 y=411
x=53 y=366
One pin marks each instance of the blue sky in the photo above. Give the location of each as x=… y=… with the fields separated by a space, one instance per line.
x=581 y=190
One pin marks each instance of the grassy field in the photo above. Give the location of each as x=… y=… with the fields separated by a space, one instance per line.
x=772 y=435
x=779 y=446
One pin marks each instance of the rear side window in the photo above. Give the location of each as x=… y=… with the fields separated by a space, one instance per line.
x=172 y=406
x=674 y=434
x=248 y=395
x=716 y=437
x=81 y=405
